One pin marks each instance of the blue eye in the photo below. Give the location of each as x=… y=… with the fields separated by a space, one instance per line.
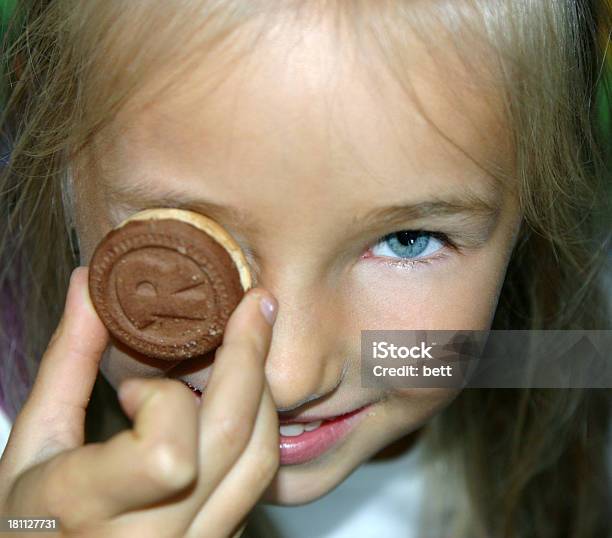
x=408 y=244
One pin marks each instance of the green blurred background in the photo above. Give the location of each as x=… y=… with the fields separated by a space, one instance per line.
x=6 y=8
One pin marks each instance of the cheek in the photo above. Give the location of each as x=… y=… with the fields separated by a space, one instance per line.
x=414 y=407
x=459 y=292
x=117 y=365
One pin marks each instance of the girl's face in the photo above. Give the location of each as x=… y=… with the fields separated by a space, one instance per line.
x=309 y=158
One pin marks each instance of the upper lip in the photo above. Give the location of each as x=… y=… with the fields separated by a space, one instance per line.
x=304 y=418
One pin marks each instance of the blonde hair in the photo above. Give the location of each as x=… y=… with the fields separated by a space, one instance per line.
x=518 y=455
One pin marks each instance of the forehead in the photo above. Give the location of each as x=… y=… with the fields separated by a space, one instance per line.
x=309 y=110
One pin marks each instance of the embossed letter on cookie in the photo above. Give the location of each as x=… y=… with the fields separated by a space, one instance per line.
x=165 y=282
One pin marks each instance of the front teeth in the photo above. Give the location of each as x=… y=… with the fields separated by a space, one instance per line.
x=297 y=428
x=312 y=425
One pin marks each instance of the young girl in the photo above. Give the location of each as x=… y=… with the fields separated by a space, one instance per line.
x=384 y=165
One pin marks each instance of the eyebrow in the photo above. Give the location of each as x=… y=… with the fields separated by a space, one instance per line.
x=144 y=196
x=464 y=203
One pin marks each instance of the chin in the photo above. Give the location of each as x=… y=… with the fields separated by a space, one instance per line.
x=292 y=486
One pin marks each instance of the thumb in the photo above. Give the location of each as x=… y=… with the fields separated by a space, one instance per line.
x=53 y=417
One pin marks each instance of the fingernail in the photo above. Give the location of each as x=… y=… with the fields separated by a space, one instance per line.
x=268 y=308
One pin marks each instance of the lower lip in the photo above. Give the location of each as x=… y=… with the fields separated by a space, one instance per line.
x=310 y=445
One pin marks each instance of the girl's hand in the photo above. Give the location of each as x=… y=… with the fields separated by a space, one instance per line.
x=184 y=470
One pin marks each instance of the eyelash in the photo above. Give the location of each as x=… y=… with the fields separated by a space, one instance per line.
x=411 y=263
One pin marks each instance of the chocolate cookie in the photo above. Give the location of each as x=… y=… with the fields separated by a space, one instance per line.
x=165 y=281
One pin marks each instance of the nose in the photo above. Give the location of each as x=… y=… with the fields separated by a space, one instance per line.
x=305 y=361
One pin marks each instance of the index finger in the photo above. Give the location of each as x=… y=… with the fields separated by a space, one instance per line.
x=231 y=400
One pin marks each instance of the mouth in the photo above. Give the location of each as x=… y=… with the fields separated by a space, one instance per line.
x=301 y=442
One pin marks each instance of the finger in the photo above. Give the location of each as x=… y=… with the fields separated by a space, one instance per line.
x=231 y=400
x=242 y=487
x=53 y=417
x=133 y=469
